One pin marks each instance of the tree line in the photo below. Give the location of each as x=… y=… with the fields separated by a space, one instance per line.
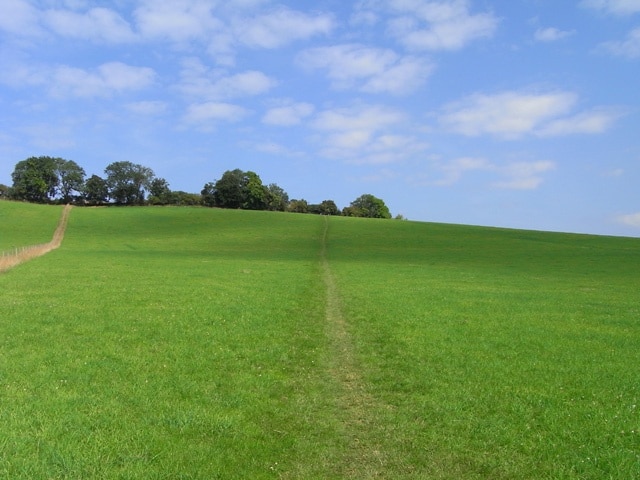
x=56 y=180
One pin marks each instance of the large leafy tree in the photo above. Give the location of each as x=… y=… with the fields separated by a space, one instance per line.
x=96 y=190
x=255 y=195
x=70 y=178
x=237 y=189
x=35 y=179
x=159 y=192
x=228 y=192
x=127 y=182
x=368 y=206
x=277 y=198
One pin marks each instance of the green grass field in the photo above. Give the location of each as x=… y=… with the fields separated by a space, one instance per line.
x=22 y=225
x=200 y=343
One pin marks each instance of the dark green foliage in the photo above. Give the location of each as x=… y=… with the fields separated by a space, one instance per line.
x=244 y=190
x=127 y=182
x=367 y=206
x=329 y=207
x=298 y=206
x=159 y=192
x=70 y=177
x=228 y=192
x=96 y=190
x=35 y=179
x=5 y=191
x=43 y=179
x=277 y=198
x=255 y=194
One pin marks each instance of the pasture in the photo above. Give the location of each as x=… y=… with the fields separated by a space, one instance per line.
x=201 y=343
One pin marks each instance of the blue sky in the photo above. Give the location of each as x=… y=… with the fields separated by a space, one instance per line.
x=510 y=113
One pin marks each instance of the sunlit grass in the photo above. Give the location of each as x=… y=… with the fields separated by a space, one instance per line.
x=23 y=224
x=498 y=354
x=192 y=343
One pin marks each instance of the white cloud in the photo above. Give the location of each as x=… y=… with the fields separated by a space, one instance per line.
x=365 y=134
x=107 y=79
x=617 y=7
x=372 y=70
x=178 y=20
x=213 y=112
x=629 y=48
x=99 y=24
x=202 y=82
x=592 y=122
x=524 y=175
x=508 y=114
x=551 y=34
x=631 y=220
x=281 y=27
x=514 y=175
x=511 y=115
x=19 y=17
x=288 y=115
x=439 y=25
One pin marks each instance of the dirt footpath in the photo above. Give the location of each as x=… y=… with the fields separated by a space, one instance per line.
x=24 y=254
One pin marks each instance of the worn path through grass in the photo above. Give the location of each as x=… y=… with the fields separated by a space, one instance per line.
x=364 y=458
x=27 y=253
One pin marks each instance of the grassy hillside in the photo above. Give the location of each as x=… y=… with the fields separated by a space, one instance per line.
x=23 y=224
x=199 y=343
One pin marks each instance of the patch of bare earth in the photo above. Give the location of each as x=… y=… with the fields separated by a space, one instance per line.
x=364 y=458
x=24 y=254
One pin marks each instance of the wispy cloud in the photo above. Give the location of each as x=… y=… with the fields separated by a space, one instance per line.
x=197 y=80
x=107 y=79
x=288 y=114
x=551 y=34
x=208 y=114
x=513 y=114
x=617 y=7
x=371 y=70
x=524 y=175
x=365 y=134
x=438 y=25
x=630 y=47
x=97 y=24
x=281 y=27
x=455 y=169
x=19 y=17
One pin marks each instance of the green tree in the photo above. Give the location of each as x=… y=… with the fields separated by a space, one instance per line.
x=254 y=193
x=70 y=178
x=208 y=194
x=368 y=206
x=5 y=191
x=228 y=192
x=127 y=182
x=35 y=179
x=329 y=207
x=159 y=192
x=277 y=198
x=96 y=190
x=298 y=206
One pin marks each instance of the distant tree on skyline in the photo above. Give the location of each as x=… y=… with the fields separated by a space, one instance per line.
x=368 y=206
x=127 y=182
x=46 y=179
